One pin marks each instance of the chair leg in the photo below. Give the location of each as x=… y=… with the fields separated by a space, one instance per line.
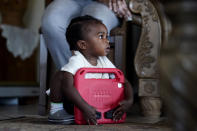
x=43 y=77
x=117 y=41
x=149 y=95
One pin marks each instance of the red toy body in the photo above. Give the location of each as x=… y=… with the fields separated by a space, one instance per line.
x=102 y=94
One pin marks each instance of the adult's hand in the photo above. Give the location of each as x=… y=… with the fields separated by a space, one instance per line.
x=112 y=4
x=119 y=7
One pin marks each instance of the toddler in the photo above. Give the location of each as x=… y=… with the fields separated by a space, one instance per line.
x=87 y=37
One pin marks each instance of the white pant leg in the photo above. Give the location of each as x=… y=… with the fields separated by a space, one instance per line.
x=102 y=12
x=54 y=23
x=57 y=17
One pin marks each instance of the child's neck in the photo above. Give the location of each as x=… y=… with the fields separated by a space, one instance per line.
x=91 y=59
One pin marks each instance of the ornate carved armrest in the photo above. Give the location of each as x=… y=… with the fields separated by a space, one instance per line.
x=147 y=56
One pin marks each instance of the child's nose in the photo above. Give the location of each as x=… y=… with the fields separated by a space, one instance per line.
x=107 y=41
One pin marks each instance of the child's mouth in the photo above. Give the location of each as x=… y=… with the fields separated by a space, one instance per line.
x=108 y=49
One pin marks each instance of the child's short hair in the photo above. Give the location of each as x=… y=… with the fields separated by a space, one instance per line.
x=76 y=29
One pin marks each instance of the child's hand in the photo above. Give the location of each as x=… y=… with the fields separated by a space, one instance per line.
x=90 y=115
x=122 y=108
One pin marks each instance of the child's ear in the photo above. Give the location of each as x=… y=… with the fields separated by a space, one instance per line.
x=81 y=44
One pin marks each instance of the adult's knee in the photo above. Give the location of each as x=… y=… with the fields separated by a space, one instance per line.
x=48 y=24
x=102 y=12
x=58 y=15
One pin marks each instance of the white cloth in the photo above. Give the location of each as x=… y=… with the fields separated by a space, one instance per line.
x=78 y=61
x=20 y=41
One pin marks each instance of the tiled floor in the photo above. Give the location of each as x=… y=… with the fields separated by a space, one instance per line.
x=25 y=118
x=13 y=110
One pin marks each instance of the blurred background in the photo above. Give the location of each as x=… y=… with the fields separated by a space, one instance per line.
x=19 y=58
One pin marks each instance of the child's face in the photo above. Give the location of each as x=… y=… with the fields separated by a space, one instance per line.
x=96 y=39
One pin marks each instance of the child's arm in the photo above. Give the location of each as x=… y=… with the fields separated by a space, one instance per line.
x=72 y=94
x=126 y=103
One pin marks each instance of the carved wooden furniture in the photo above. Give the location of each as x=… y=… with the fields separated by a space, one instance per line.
x=147 y=57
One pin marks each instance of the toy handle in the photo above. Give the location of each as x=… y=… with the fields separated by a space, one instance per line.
x=118 y=73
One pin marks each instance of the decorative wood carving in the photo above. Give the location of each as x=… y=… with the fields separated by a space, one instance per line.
x=149 y=87
x=151 y=106
x=147 y=54
x=147 y=57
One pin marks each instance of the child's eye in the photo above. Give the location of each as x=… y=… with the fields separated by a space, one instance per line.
x=101 y=36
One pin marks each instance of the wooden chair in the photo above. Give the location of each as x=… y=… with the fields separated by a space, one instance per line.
x=153 y=30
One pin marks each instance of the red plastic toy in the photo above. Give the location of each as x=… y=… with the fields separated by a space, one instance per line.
x=102 y=94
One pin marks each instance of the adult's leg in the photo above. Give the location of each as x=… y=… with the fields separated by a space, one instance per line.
x=54 y=23
x=102 y=12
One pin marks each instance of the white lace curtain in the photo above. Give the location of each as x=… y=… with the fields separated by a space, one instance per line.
x=22 y=41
